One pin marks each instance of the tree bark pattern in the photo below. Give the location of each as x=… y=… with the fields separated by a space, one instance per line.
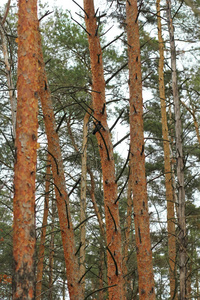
x=26 y=152
x=113 y=232
x=140 y=203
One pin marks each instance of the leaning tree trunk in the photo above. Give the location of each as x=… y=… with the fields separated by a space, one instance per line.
x=67 y=231
x=26 y=152
x=113 y=232
x=180 y=162
x=167 y=166
x=137 y=163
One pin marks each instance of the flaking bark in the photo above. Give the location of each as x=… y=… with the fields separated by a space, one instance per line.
x=26 y=152
x=113 y=232
x=137 y=158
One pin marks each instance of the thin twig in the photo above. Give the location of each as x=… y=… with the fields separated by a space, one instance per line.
x=125 y=137
x=112 y=41
x=111 y=128
x=81 y=8
x=104 y=288
x=123 y=166
x=123 y=187
x=84 y=221
x=111 y=77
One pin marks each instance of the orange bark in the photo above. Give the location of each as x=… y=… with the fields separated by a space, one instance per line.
x=67 y=232
x=167 y=166
x=26 y=152
x=43 y=233
x=140 y=203
x=113 y=233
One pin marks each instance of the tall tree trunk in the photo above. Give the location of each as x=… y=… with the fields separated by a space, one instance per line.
x=113 y=232
x=140 y=203
x=127 y=227
x=26 y=152
x=83 y=196
x=67 y=232
x=179 y=158
x=167 y=166
x=43 y=232
x=13 y=100
x=51 y=252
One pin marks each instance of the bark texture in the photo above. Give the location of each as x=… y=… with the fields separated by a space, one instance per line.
x=113 y=233
x=140 y=203
x=67 y=232
x=26 y=152
x=179 y=161
x=167 y=166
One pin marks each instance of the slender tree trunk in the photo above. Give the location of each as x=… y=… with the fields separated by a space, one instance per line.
x=83 y=196
x=180 y=163
x=26 y=152
x=67 y=232
x=94 y=202
x=113 y=232
x=140 y=203
x=167 y=166
x=63 y=289
x=197 y=284
x=51 y=253
x=101 y=262
x=92 y=190
x=43 y=233
x=13 y=100
x=127 y=227
x=192 y=111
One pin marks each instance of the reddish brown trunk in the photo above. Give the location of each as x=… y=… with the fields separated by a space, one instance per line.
x=26 y=152
x=113 y=233
x=67 y=232
x=140 y=204
x=43 y=233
